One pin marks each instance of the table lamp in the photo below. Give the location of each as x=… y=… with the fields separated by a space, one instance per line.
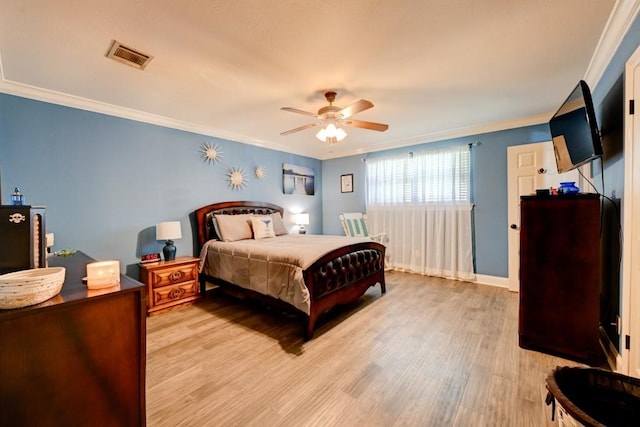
x=169 y=231
x=302 y=219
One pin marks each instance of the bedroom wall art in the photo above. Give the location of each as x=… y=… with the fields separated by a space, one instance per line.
x=346 y=183
x=298 y=179
x=211 y=153
x=261 y=172
x=236 y=178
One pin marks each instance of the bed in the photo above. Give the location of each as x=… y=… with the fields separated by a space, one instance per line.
x=340 y=271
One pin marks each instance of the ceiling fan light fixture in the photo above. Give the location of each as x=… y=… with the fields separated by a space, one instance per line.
x=331 y=133
x=328 y=116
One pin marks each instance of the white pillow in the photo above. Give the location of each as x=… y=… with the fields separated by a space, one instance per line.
x=262 y=227
x=278 y=224
x=214 y=224
x=234 y=227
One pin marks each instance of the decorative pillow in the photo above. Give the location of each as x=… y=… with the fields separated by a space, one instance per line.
x=234 y=227
x=278 y=224
x=262 y=227
x=214 y=223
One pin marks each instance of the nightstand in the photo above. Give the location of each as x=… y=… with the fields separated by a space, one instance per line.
x=170 y=284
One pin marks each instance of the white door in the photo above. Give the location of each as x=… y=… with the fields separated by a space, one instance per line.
x=631 y=224
x=530 y=167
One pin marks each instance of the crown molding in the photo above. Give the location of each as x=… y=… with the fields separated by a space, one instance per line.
x=67 y=100
x=622 y=15
x=448 y=134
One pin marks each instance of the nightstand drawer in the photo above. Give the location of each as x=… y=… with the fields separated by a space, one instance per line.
x=177 y=293
x=174 y=275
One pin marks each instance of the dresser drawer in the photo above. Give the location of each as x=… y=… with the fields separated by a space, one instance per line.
x=174 y=275
x=175 y=294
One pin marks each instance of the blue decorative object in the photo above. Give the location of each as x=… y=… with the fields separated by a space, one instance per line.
x=17 y=198
x=169 y=251
x=568 y=188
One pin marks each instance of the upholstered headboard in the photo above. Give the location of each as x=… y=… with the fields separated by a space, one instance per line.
x=204 y=215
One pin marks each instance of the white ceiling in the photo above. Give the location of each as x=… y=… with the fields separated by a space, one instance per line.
x=433 y=69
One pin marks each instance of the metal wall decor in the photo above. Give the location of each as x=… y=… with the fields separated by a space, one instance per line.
x=236 y=178
x=211 y=153
x=261 y=172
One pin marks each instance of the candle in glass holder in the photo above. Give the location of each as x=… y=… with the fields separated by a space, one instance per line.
x=103 y=274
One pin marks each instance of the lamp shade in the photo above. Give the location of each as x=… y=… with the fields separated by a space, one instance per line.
x=331 y=134
x=302 y=219
x=169 y=230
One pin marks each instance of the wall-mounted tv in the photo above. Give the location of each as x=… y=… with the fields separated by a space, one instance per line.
x=574 y=131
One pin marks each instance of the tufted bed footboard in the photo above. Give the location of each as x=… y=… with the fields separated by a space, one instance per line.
x=342 y=277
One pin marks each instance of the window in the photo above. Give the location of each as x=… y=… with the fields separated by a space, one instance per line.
x=422 y=201
x=438 y=176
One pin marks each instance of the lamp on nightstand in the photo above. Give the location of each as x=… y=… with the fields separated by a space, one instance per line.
x=169 y=231
x=302 y=219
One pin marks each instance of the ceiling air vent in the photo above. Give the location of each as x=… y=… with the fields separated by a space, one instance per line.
x=129 y=56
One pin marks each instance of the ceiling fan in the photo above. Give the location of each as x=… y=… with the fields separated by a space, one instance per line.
x=333 y=116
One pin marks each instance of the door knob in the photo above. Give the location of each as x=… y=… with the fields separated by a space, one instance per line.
x=513 y=227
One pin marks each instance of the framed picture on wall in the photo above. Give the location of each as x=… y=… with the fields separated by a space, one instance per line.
x=346 y=183
x=298 y=179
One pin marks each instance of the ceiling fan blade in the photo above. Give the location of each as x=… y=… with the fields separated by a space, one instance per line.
x=366 y=125
x=298 y=129
x=295 y=110
x=354 y=108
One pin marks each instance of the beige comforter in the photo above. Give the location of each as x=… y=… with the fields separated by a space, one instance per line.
x=270 y=266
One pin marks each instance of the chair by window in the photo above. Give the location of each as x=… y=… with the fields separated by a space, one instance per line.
x=355 y=225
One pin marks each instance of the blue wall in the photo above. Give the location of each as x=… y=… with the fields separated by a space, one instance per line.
x=107 y=181
x=336 y=202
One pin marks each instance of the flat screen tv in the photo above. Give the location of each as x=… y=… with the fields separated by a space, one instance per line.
x=574 y=131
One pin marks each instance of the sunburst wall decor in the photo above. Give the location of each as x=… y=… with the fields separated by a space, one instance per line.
x=211 y=153
x=236 y=178
x=261 y=172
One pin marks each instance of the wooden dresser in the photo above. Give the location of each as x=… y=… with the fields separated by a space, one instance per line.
x=560 y=276
x=170 y=284
x=77 y=359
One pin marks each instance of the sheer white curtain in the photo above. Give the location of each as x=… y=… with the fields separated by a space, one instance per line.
x=422 y=201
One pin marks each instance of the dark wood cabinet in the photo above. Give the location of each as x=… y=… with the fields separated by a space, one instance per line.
x=560 y=276
x=77 y=359
x=23 y=244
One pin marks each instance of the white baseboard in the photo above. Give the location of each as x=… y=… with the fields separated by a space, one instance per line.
x=501 y=282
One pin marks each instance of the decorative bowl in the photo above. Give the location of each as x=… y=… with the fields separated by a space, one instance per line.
x=28 y=287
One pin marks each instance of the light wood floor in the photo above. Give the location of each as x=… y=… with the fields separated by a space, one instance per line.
x=430 y=352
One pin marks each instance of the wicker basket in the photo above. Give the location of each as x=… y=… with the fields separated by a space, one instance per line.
x=29 y=287
x=595 y=397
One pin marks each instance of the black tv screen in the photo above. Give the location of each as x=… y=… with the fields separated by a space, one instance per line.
x=574 y=131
